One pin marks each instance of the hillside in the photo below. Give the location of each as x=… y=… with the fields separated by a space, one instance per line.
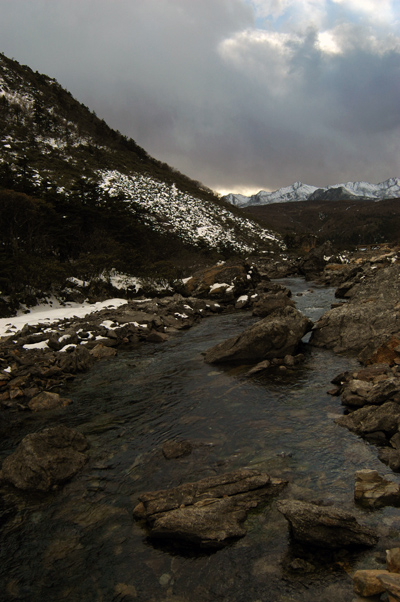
x=78 y=198
x=344 y=223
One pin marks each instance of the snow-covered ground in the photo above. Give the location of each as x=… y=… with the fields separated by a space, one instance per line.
x=54 y=312
x=194 y=220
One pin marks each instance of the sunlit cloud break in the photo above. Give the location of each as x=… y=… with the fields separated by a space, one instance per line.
x=239 y=94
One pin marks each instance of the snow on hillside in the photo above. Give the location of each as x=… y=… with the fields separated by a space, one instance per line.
x=193 y=220
x=302 y=192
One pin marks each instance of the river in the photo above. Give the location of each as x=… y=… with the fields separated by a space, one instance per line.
x=80 y=543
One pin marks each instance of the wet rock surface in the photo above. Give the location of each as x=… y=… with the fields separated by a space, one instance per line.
x=324 y=526
x=208 y=513
x=46 y=459
x=276 y=336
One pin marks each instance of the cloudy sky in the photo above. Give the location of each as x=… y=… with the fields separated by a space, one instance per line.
x=242 y=95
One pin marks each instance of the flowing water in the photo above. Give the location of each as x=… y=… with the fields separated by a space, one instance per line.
x=81 y=543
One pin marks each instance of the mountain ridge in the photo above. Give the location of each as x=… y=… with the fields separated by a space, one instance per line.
x=298 y=191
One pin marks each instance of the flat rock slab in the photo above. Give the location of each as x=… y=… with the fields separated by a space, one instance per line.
x=208 y=513
x=44 y=460
x=326 y=527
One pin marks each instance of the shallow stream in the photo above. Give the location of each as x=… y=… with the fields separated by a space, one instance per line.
x=81 y=544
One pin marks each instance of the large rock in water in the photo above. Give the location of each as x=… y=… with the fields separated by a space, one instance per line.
x=323 y=526
x=208 y=513
x=369 y=319
x=277 y=335
x=44 y=460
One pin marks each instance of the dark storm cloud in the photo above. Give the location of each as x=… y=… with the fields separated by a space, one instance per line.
x=197 y=85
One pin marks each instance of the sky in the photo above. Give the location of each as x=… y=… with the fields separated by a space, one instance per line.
x=241 y=95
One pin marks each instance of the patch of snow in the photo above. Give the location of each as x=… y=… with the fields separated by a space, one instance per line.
x=43 y=313
x=217 y=285
x=41 y=345
x=78 y=282
x=64 y=337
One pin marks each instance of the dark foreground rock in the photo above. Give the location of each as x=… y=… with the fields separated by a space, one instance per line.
x=46 y=459
x=276 y=336
x=326 y=527
x=208 y=513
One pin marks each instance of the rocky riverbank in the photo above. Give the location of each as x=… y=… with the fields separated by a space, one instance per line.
x=367 y=323
x=38 y=360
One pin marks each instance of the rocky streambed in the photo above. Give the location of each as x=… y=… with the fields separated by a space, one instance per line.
x=177 y=457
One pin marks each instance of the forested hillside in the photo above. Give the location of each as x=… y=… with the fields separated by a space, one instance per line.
x=78 y=198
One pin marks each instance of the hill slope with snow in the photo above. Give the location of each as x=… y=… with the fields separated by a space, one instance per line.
x=78 y=199
x=55 y=148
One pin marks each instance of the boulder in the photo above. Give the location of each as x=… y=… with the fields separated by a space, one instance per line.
x=100 y=352
x=388 y=352
x=391 y=457
x=371 y=317
x=356 y=327
x=357 y=393
x=383 y=391
x=44 y=460
x=323 y=526
x=266 y=304
x=370 y=419
x=373 y=491
x=366 y=582
x=208 y=513
x=391 y=584
x=275 y=336
x=176 y=449
x=313 y=263
x=77 y=360
x=232 y=277
x=46 y=400
x=393 y=560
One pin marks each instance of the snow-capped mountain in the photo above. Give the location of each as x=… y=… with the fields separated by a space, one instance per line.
x=390 y=189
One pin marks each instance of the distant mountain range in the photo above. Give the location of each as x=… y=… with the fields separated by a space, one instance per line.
x=298 y=191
